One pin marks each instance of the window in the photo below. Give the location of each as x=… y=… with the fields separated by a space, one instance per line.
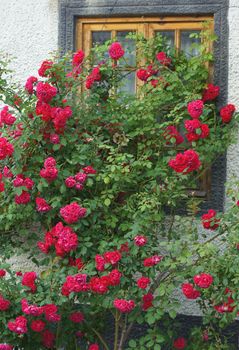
x=74 y=15
x=176 y=30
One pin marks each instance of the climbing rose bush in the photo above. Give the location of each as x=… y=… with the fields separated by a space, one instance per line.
x=91 y=179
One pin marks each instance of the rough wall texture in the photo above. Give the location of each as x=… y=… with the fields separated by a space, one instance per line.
x=29 y=31
x=233 y=80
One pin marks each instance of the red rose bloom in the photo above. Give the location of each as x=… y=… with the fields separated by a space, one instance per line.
x=82 y=177
x=196 y=130
x=61 y=237
x=4 y=303
x=67 y=241
x=99 y=262
x=2 y=186
x=195 y=108
x=116 y=51
x=45 y=92
x=33 y=310
x=6 y=347
x=71 y=213
x=153 y=260
x=89 y=170
x=112 y=257
x=114 y=277
x=28 y=280
x=210 y=93
x=209 y=220
x=23 y=198
x=123 y=305
x=204 y=280
x=6 y=148
x=6 y=117
x=140 y=241
x=77 y=317
x=50 y=162
x=143 y=282
x=99 y=284
x=2 y=273
x=143 y=74
x=42 y=205
x=70 y=182
x=44 y=67
x=180 y=343
x=147 y=301
x=78 y=58
x=44 y=110
x=38 y=325
x=30 y=84
x=226 y=307
x=18 y=326
x=163 y=58
x=189 y=291
x=55 y=139
x=185 y=162
x=94 y=76
x=226 y=113
x=75 y=284
x=94 y=347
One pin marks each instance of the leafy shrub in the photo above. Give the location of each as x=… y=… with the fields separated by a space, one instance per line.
x=92 y=178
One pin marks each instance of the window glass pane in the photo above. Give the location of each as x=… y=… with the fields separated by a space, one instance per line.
x=129 y=47
x=186 y=42
x=128 y=82
x=169 y=35
x=100 y=37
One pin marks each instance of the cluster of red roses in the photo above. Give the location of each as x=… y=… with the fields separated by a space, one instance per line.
x=22 y=181
x=203 y=280
x=49 y=311
x=100 y=285
x=6 y=117
x=77 y=181
x=144 y=74
x=72 y=212
x=49 y=172
x=209 y=220
x=6 y=148
x=185 y=162
x=227 y=306
x=62 y=238
x=45 y=92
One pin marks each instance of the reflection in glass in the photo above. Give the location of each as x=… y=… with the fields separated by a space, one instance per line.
x=168 y=35
x=129 y=47
x=100 y=37
x=128 y=82
x=186 y=42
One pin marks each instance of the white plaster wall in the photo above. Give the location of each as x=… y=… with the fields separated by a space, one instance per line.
x=233 y=81
x=29 y=31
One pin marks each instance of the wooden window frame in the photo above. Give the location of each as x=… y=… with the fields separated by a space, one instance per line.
x=144 y=25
